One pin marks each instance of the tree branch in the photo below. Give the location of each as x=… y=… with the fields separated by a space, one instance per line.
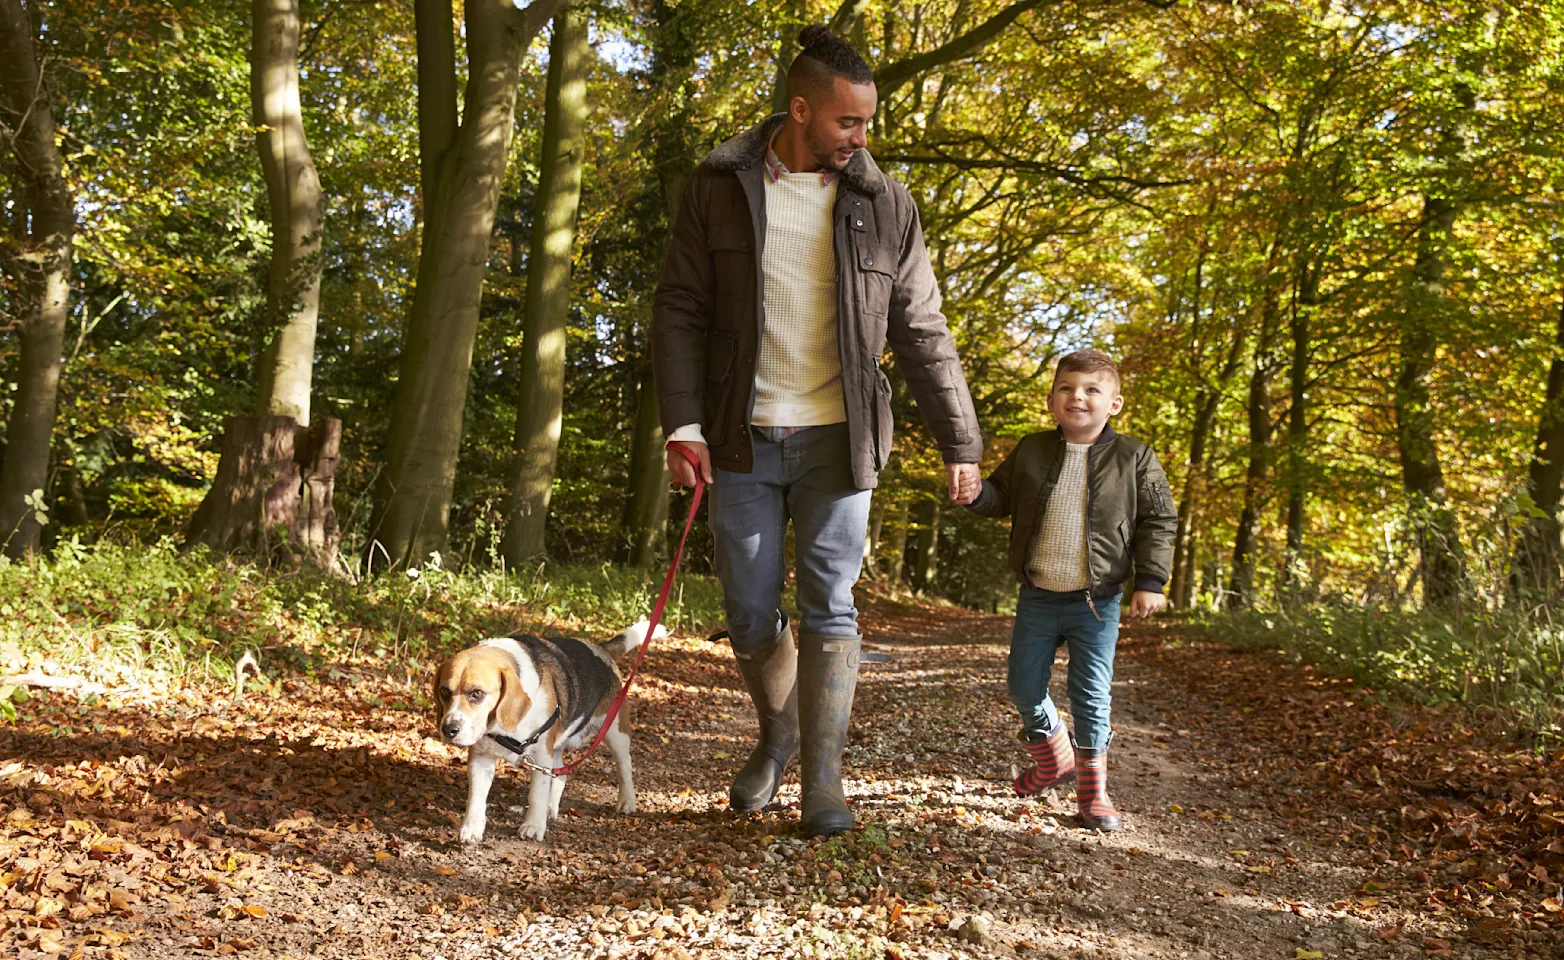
x=1117 y=187
x=892 y=77
x=849 y=11
x=533 y=18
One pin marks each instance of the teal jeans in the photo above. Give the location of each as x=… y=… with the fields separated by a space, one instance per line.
x=1045 y=621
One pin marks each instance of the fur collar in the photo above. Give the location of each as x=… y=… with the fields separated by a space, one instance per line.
x=749 y=148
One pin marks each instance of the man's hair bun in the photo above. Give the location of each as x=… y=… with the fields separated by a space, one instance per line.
x=824 y=58
x=814 y=35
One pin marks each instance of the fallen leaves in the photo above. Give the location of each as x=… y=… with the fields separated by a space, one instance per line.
x=182 y=825
x=1463 y=826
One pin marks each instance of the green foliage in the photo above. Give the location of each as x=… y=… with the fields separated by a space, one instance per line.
x=1220 y=194
x=1512 y=660
x=129 y=614
x=855 y=856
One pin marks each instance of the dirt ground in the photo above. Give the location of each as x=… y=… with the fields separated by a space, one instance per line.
x=321 y=822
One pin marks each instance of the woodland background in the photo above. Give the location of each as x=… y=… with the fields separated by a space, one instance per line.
x=1322 y=237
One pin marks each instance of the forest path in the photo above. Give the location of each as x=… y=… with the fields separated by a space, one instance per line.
x=320 y=821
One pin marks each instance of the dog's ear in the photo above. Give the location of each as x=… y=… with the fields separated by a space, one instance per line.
x=434 y=693
x=513 y=700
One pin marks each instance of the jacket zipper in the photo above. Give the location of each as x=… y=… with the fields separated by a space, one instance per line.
x=837 y=244
x=1042 y=503
x=1087 y=545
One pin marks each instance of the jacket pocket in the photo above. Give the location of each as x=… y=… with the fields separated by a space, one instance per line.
x=730 y=247
x=721 y=350
x=1157 y=494
x=884 y=419
x=1114 y=552
x=876 y=271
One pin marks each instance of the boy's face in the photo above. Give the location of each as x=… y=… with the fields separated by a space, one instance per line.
x=1083 y=402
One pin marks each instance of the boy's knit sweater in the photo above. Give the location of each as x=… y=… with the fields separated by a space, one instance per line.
x=1057 y=560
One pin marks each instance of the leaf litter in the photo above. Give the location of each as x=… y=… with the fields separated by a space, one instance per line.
x=1272 y=811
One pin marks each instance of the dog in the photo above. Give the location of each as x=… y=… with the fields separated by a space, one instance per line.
x=541 y=698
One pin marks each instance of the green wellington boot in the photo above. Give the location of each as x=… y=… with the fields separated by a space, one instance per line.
x=827 y=677
x=770 y=672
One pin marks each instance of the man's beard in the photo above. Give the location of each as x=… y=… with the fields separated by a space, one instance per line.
x=823 y=153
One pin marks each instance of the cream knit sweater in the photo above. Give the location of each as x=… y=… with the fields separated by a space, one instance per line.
x=798 y=375
x=1058 y=557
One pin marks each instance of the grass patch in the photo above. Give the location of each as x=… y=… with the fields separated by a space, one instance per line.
x=145 y=614
x=1509 y=660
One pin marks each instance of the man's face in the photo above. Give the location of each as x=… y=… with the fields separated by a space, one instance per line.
x=1083 y=402
x=839 y=126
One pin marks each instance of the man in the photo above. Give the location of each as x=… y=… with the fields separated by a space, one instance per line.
x=793 y=261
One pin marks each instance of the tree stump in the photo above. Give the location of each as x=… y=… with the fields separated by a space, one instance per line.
x=271 y=498
x=315 y=521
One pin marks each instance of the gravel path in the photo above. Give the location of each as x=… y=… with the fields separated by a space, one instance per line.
x=346 y=846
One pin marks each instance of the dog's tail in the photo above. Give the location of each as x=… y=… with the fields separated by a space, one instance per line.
x=632 y=636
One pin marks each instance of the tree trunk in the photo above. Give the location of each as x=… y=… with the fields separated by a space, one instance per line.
x=1246 y=542
x=794 y=17
x=272 y=495
x=1180 y=587
x=1534 y=570
x=413 y=499
x=1422 y=475
x=294 y=196
x=1211 y=578
x=871 y=542
x=896 y=556
x=539 y=414
x=434 y=24
x=276 y=473
x=315 y=450
x=925 y=546
x=1297 y=435
x=646 y=509
x=40 y=260
x=1443 y=566
x=75 y=494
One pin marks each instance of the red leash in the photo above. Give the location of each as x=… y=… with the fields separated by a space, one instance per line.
x=657 y=614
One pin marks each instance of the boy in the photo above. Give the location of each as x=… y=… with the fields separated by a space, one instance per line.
x=1089 y=507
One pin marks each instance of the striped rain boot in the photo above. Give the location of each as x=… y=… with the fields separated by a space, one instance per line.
x=1053 y=763
x=1091 y=791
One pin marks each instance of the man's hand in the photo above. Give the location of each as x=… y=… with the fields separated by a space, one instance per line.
x=683 y=473
x=965 y=482
x=1146 y=602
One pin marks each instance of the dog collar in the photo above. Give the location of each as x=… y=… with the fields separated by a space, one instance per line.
x=520 y=746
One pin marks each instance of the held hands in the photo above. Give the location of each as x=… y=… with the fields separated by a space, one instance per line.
x=1146 y=602
x=965 y=482
x=683 y=472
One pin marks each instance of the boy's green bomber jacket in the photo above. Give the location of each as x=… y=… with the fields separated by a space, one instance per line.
x=1130 y=515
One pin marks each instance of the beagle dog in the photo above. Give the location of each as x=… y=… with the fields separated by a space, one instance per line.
x=527 y=700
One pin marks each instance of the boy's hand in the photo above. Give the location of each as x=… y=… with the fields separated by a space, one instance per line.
x=1146 y=602
x=965 y=482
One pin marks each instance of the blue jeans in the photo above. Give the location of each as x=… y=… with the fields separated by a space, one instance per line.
x=806 y=477
x=1045 y=621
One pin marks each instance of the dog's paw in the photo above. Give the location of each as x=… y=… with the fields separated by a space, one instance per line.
x=626 y=804
x=533 y=831
x=472 y=832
